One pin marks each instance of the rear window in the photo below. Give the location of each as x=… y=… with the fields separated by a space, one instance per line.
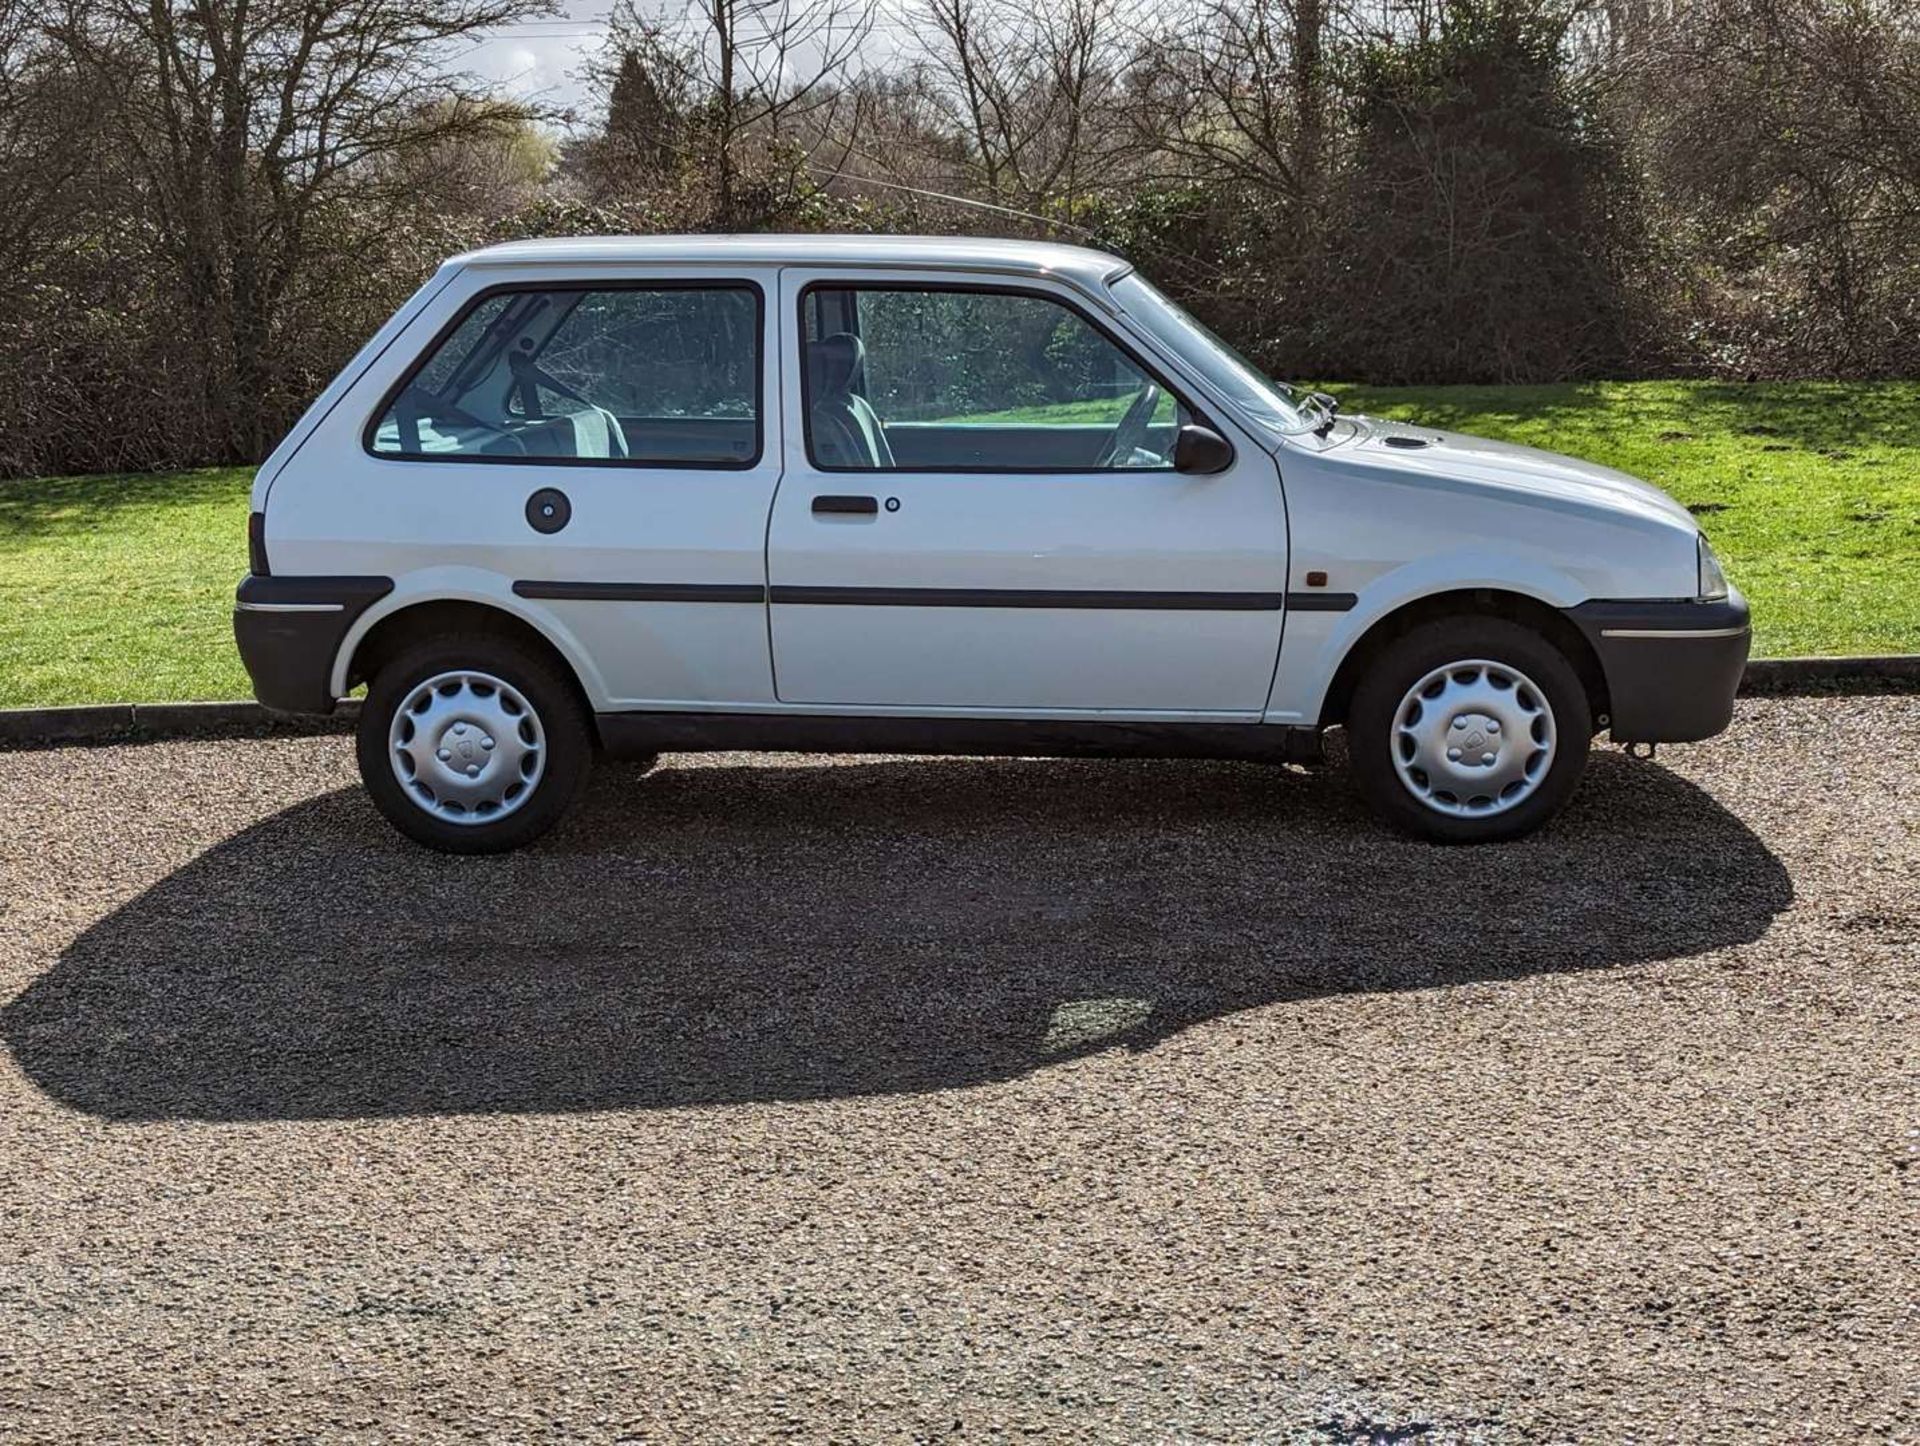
x=642 y=375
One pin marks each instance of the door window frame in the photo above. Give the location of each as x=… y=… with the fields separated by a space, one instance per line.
x=585 y=284
x=990 y=288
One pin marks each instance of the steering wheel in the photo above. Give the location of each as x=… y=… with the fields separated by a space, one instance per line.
x=1131 y=430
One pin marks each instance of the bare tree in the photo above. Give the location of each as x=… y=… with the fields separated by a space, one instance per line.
x=1243 y=95
x=1034 y=92
x=1784 y=142
x=252 y=125
x=45 y=112
x=646 y=80
x=758 y=84
x=486 y=166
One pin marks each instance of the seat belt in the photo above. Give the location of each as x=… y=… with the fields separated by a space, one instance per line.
x=406 y=416
x=527 y=380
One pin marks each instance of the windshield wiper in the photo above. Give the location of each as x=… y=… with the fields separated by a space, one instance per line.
x=1327 y=403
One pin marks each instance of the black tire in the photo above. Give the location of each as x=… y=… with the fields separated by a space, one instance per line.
x=1411 y=657
x=567 y=752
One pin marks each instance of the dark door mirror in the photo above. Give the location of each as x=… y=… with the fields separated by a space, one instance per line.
x=1202 y=450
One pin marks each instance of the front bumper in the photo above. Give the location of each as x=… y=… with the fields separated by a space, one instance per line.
x=290 y=629
x=1672 y=668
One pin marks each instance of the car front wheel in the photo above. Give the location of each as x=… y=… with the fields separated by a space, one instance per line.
x=472 y=744
x=1469 y=730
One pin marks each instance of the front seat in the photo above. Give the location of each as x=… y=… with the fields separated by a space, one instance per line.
x=846 y=431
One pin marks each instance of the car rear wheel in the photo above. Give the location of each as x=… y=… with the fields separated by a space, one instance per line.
x=472 y=744
x=1469 y=730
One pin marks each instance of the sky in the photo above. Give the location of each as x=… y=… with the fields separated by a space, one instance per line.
x=540 y=60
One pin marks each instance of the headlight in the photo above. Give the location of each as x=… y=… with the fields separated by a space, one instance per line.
x=1713 y=582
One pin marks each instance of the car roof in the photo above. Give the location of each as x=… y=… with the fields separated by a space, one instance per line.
x=1077 y=264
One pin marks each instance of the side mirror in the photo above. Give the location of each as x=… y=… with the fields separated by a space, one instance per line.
x=1202 y=450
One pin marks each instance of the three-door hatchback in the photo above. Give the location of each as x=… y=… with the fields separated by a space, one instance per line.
x=889 y=494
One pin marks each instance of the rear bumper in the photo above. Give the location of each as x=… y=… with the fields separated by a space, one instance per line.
x=1672 y=667
x=290 y=629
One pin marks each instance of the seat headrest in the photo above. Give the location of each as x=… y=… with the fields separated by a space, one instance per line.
x=834 y=365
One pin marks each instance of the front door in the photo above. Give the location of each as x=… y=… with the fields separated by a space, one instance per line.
x=979 y=512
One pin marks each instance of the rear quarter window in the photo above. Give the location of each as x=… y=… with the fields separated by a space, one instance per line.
x=643 y=374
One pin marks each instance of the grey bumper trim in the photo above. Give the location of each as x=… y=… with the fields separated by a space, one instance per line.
x=289 y=629
x=1672 y=666
x=1673 y=632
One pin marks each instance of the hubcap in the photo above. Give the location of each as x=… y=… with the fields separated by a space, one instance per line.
x=1474 y=737
x=467 y=748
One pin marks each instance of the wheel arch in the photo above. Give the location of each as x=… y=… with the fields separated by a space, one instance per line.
x=364 y=653
x=1516 y=607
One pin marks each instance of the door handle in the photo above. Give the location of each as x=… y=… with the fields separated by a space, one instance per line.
x=859 y=506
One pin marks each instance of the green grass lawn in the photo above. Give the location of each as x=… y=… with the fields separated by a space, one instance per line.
x=120 y=589
x=116 y=589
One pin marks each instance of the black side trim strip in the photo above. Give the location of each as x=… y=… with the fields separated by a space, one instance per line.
x=714 y=592
x=967 y=597
x=940 y=597
x=1681 y=615
x=353 y=594
x=1322 y=602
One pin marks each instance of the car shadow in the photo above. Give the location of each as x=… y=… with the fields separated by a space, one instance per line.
x=798 y=931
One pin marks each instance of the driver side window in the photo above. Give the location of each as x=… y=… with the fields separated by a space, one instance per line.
x=936 y=379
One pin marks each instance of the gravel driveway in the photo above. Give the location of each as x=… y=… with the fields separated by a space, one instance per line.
x=884 y=1100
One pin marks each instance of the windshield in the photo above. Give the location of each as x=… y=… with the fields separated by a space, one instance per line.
x=1261 y=399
